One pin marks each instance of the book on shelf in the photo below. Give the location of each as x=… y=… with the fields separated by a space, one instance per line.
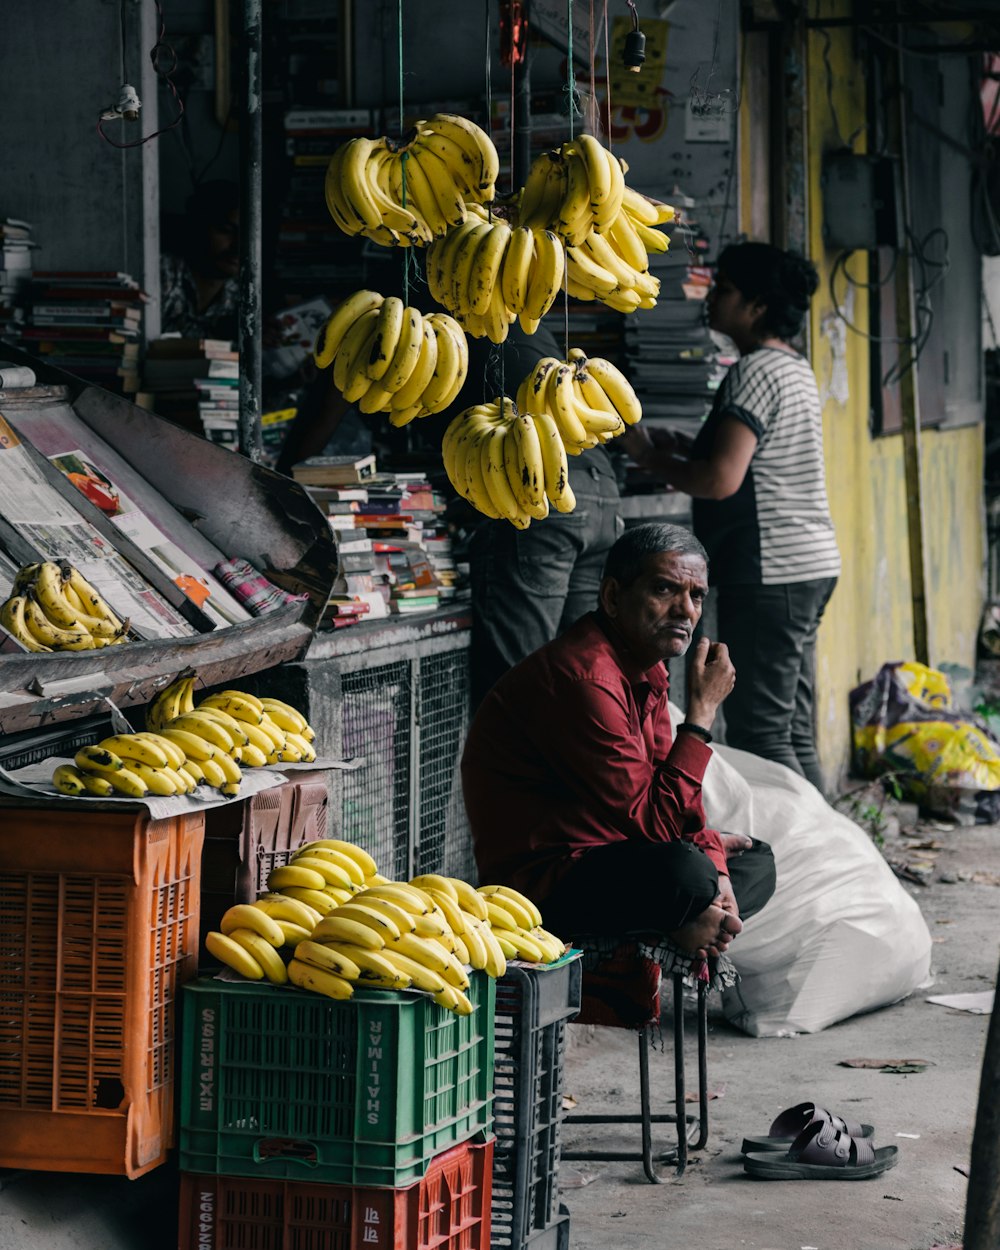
x=333 y=470
x=171 y=347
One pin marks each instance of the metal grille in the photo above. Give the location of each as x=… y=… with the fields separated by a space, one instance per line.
x=442 y=836
x=376 y=713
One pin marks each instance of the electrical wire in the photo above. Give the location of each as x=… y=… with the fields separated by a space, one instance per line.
x=163 y=74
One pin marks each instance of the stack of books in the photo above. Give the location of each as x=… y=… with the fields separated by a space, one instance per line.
x=673 y=362
x=89 y=323
x=15 y=274
x=394 y=552
x=313 y=254
x=194 y=382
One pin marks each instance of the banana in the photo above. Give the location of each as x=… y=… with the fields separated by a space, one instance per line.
x=347 y=312
x=373 y=917
x=557 y=487
x=431 y=882
x=175 y=757
x=514 y=468
x=400 y=917
x=624 y=238
x=68 y=780
x=212 y=773
x=305 y=750
x=373 y=967
x=449 y=371
x=508 y=948
x=347 y=864
x=419 y=193
x=529 y=451
x=284 y=715
x=496 y=961
x=193 y=773
x=237 y=957
x=237 y=730
x=48 y=593
x=474 y=945
x=279 y=907
x=654 y=241
x=386 y=192
x=12 y=619
x=193 y=745
x=404 y=360
x=162 y=781
x=576 y=212
x=246 y=916
x=463 y=168
x=498 y=893
x=412 y=390
x=421 y=977
x=424 y=950
x=354 y=182
x=453 y=1000
x=522 y=917
x=585 y=274
x=90 y=758
x=295 y=875
x=54 y=637
x=259 y=740
x=448 y=195
x=135 y=747
x=486 y=266
x=365 y=862
x=499 y=917
x=562 y=405
x=241 y=707
x=525 y=946
x=24 y=578
x=461 y=267
x=251 y=757
x=318 y=900
x=544 y=191
x=497 y=483
x=349 y=375
x=337 y=928
x=431 y=924
x=403 y=896
x=473 y=140
x=331 y=873
x=97 y=784
x=293 y=934
x=546 y=275
x=454 y=974
x=388 y=327
x=516 y=268
x=94 y=611
x=461 y=951
x=201 y=724
x=469 y=899
x=617 y=388
x=263 y=952
x=307 y=977
x=330 y=958
x=557 y=944
x=339 y=895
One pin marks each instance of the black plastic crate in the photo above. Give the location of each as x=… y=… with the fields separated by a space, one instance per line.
x=533 y=1006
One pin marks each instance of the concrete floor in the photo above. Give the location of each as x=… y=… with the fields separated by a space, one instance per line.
x=715 y=1206
x=916 y=1206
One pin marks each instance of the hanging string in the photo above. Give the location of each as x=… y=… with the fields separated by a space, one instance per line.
x=607 y=69
x=409 y=261
x=592 y=115
x=571 y=99
x=497 y=352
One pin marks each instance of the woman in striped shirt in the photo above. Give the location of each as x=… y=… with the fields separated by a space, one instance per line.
x=756 y=475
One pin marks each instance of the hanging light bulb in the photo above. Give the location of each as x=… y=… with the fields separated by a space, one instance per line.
x=634 y=52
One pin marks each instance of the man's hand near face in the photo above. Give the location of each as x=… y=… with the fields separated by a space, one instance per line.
x=711 y=677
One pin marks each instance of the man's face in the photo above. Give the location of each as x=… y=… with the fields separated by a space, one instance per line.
x=656 y=615
x=223 y=245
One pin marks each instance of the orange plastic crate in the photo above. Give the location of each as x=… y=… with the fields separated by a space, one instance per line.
x=98 y=929
x=449 y=1209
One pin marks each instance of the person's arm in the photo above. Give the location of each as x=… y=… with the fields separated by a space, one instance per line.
x=717 y=476
x=314 y=425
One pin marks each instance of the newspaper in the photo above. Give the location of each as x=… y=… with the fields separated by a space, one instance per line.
x=53 y=527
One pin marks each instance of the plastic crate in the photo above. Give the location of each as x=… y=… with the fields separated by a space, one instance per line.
x=279 y=1082
x=244 y=841
x=98 y=928
x=449 y=1209
x=533 y=1005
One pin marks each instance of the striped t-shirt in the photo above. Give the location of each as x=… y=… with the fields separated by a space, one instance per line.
x=776 y=528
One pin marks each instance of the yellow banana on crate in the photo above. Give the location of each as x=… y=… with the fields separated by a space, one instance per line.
x=318 y=900
x=370 y=916
x=337 y=928
x=247 y=916
x=292 y=934
x=328 y=957
x=331 y=873
x=421 y=976
x=469 y=899
x=295 y=875
x=519 y=905
x=346 y=863
x=403 y=896
x=263 y=952
x=280 y=907
x=68 y=779
x=308 y=977
x=373 y=968
x=403 y=920
x=235 y=956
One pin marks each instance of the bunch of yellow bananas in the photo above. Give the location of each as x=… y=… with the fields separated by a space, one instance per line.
x=339 y=923
x=405 y=194
x=55 y=608
x=573 y=190
x=508 y=462
x=488 y=274
x=388 y=357
x=613 y=266
x=130 y=764
x=588 y=398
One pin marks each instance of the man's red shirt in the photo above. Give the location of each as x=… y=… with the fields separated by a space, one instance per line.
x=572 y=750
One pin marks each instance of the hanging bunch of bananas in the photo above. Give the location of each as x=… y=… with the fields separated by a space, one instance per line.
x=129 y=764
x=613 y=267
x=388 y=357
x=55 y=608
x=589 y=400
x=573 y=190
x=488 y=273
x=406 y=194
x=508 y=461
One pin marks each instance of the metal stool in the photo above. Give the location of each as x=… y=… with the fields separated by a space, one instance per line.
x=624 y=992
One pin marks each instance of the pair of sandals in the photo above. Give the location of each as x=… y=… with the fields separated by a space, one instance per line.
x=807 y=1142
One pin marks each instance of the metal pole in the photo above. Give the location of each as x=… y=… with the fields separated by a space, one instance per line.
x=909 y=395
x=250 y=232
x=520 y=155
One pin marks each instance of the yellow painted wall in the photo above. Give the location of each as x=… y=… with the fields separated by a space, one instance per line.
x=869 y=619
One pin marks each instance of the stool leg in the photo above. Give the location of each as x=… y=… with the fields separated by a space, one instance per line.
x=702 y=1067
x=645 y=1111
x=680 y=1102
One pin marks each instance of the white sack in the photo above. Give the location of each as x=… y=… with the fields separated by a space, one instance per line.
x=840 y=935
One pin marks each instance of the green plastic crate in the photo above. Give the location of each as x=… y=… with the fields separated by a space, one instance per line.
x=281 y=1082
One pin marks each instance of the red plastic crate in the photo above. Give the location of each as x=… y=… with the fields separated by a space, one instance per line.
x=448 y=1210
x=244 y=841
x=98 y=929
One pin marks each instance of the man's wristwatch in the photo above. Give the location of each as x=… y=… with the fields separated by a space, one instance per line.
x=698 y=730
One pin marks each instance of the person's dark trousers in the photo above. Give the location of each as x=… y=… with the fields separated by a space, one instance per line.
x=637 y=887
x=530 y=585
x=771 y=635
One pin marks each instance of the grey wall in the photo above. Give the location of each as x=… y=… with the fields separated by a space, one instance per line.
x=92 y=206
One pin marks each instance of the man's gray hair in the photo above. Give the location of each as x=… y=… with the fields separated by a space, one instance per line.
x=628 y=556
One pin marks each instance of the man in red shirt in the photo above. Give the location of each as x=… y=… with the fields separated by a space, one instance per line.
x=577 y=792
